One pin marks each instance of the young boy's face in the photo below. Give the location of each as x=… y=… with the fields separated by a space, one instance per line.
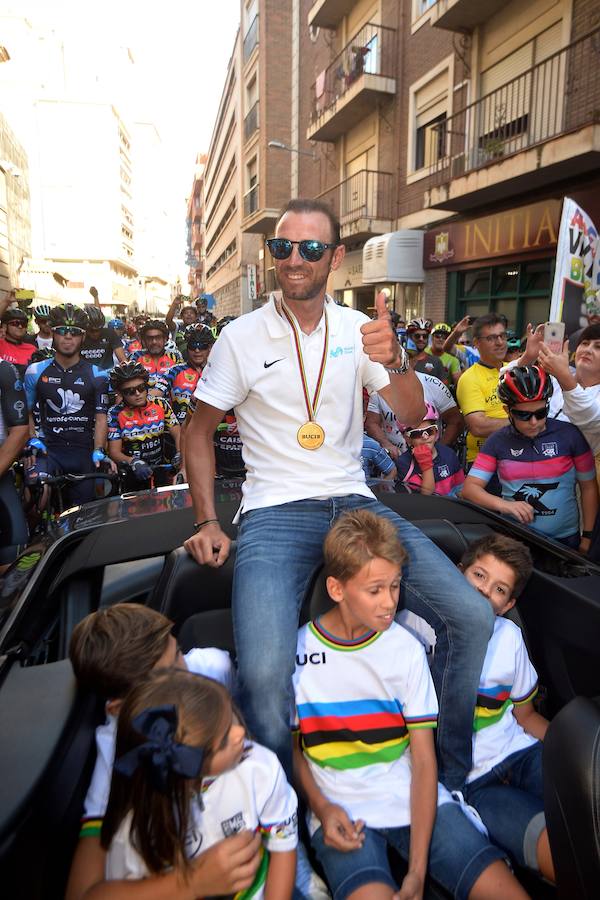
x=495 y=580
x=370 y=598
x=534 y=425
x=425 y=433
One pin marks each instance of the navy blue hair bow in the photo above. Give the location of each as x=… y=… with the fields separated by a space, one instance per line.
x=160 y=754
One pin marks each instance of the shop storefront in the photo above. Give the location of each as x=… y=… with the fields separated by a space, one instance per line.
x=500 y=263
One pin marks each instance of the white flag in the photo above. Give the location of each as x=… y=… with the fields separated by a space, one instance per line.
x=577 y=273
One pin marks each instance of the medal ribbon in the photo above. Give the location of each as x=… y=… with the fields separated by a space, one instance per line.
x=310 y=407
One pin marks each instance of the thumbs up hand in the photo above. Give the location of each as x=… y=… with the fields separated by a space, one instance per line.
x=379 y=338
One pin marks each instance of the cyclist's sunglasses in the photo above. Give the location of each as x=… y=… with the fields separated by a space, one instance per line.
x=523 y=416
x=199 y=345
x=428 y=431
x=311 y=251
x=64 y=330
x=17 y=323
x=134 y=390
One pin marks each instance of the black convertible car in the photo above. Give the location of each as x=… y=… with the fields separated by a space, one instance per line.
x=129 y=549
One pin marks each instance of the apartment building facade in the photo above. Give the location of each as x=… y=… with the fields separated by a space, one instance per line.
x=15 y=217
x=195 y=252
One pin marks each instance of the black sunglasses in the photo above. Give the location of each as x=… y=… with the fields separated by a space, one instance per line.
x=134 y=390
x=311 y=251
x=64 y=330
x=523 y=416
x=199 y=345
x=17 y=323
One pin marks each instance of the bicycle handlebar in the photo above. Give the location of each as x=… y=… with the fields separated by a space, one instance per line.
x=69 y=478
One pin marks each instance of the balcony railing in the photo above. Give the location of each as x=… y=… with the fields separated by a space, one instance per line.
x=251 y=122
x=372 y=51
x=555 y=97
x=251 y=39
x=251 y=201
x=366 y=195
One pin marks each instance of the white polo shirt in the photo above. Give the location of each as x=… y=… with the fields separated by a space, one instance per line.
x=253 y=368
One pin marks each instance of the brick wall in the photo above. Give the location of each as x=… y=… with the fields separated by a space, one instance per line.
x=586 y=17
x=435 y=295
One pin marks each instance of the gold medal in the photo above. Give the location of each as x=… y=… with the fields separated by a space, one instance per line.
x=310 y=436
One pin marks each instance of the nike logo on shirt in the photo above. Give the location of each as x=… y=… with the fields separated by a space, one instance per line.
x=268 y=365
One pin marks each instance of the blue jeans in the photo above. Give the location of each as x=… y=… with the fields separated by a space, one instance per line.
x=509 y=799
x=458 y=854
x=279 y=548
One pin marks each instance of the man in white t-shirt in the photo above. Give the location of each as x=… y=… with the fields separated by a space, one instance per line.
x=294 y=372
x=382 y=424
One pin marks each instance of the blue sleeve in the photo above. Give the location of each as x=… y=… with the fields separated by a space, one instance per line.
x=32 y=376
x=101 y=389
x=383 y=461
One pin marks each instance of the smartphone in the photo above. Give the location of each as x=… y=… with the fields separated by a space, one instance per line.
x=554 y=336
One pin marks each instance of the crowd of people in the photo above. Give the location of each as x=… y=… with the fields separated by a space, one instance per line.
x=194 y=794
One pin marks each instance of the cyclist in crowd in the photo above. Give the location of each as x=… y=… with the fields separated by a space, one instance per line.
x=100 y=342
x=181 y=379
x=14 y=432
x=188 y=316
x=450 y=363
x=418 y=332
x=41 y=315
x=16 y=346
x=539 y=462
x=457 y=344
x=153 y=356
x=138 y=426
x=70 y=398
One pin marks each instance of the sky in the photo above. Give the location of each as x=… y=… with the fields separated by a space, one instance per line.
x=181 y=50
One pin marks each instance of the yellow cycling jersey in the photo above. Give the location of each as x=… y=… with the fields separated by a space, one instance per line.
x=477 y=391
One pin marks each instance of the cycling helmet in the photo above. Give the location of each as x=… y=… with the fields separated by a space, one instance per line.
x=154 y=325
x=41 y=354
x=200 y=334
x=420 y=325
x=512 y=341
x=68 y=314
x=96 y=317
x=116 y=323
x=42 y=311
x=431 y=413
x=171 y=346
x=223 y=322
x=126 y=372
x=441 y=326
x=14 y=314
x=522 y=384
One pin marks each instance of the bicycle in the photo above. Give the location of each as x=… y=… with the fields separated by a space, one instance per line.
x=48 y=505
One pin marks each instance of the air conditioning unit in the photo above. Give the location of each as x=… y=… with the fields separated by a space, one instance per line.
x=397 y=256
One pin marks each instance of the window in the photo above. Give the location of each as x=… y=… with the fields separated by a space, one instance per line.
x=429 y=108
x=431 y=142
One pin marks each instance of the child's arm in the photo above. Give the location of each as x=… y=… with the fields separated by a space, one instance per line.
x=474 y=490
x=339 y=831
x=281 y=876
x=225 y=868
x=589 y=509
x=423 y=807
x=530 y=720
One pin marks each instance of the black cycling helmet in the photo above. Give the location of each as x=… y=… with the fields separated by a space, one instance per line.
x=223 y=322
x=199 y=334
x=95 y=315
x=522 y=384
x=14 y=314
x=68 y=314
x=41 y=354
x=126 y=372
x=154 y=325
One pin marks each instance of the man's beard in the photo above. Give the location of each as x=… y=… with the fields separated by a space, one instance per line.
x=305 y=292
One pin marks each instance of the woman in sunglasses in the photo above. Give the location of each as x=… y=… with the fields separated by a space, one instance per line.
x=539 y=461
x=138 y=425
x=427 y=465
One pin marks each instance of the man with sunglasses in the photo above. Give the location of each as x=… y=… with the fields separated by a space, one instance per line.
x=181 y=380
x=15 y=347
x=539 y=461
x=137 y=427
x=69 y=397
x=294 y=372
x=450 y=363
x=418 y=333
x=477 y=389
x=153 y=356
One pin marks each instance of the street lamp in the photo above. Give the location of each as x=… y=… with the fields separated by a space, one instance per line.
x=279 y=145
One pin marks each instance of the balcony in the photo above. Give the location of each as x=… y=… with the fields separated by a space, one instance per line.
x=257 y=220
x=536 y=130
x=348 y=89
x=363 y=203
x=251 y=122
x=251 y=40
x=329 y=13
x=463 y=15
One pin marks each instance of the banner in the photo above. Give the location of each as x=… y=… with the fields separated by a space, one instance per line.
x=577 y=273
x=252 y=285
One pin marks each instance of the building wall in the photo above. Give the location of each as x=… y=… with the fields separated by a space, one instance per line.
x=15 y=213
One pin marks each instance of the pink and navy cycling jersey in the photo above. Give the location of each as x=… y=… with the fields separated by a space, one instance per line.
x=447 y=472
x=542 y=471
x=181 y=383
